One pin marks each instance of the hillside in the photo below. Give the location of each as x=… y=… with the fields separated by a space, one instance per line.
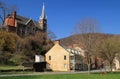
x=76 y=39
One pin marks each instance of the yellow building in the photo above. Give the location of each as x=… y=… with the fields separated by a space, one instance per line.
x=60 y=59
x=117 y=64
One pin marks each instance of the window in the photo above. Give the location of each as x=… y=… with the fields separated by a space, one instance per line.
x=71 y=66
x=71 y=57
x=64 y=57
x=65 y=65
x=49 y=57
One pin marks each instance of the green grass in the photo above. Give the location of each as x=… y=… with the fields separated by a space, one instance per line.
x=11 y=67
x=69 y=76
x=56 y=76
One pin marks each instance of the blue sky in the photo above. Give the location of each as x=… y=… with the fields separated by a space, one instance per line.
x=63 y=15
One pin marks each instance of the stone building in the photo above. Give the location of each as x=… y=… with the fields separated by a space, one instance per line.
x=25 y=26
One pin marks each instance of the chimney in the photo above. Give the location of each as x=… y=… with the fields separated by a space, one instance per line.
x=14 y=14
x=14 y=17
x=57 y=42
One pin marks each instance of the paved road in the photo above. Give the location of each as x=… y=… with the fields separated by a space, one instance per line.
x=45 y=73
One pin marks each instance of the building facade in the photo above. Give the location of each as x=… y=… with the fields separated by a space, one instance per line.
x=25 y=26
x=117 y=64
x=59 y=58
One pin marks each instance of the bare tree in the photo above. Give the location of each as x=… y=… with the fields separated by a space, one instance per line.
x=51 y=35
x=2 y=11
x=87 y=28
x=109 y=50
x=5 y=10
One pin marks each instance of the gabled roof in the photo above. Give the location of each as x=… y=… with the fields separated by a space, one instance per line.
x=21 y=19
x=28 y=21
x=69 y=50
x=25 y=21
x=73 y=51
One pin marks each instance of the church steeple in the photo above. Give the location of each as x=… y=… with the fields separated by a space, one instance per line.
x=43 y=16
x=43 y=20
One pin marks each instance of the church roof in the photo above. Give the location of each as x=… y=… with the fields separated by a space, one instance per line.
x=25 y=21
x=21 y=19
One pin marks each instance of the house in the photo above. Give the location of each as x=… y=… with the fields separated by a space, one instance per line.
x=25 y=26
x=117 y=64
x=58 y=58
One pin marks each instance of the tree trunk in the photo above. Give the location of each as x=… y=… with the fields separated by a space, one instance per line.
x=111 y=66
x=88 y=68
x=88 y=65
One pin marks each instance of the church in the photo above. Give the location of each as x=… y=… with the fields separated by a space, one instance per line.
x=25 y=26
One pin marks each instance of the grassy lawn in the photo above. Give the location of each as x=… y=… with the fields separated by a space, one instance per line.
x=11 y=67
x=57 y=76
x=69 y=76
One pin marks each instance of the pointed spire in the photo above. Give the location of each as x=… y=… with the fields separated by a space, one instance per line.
x=43 y=16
